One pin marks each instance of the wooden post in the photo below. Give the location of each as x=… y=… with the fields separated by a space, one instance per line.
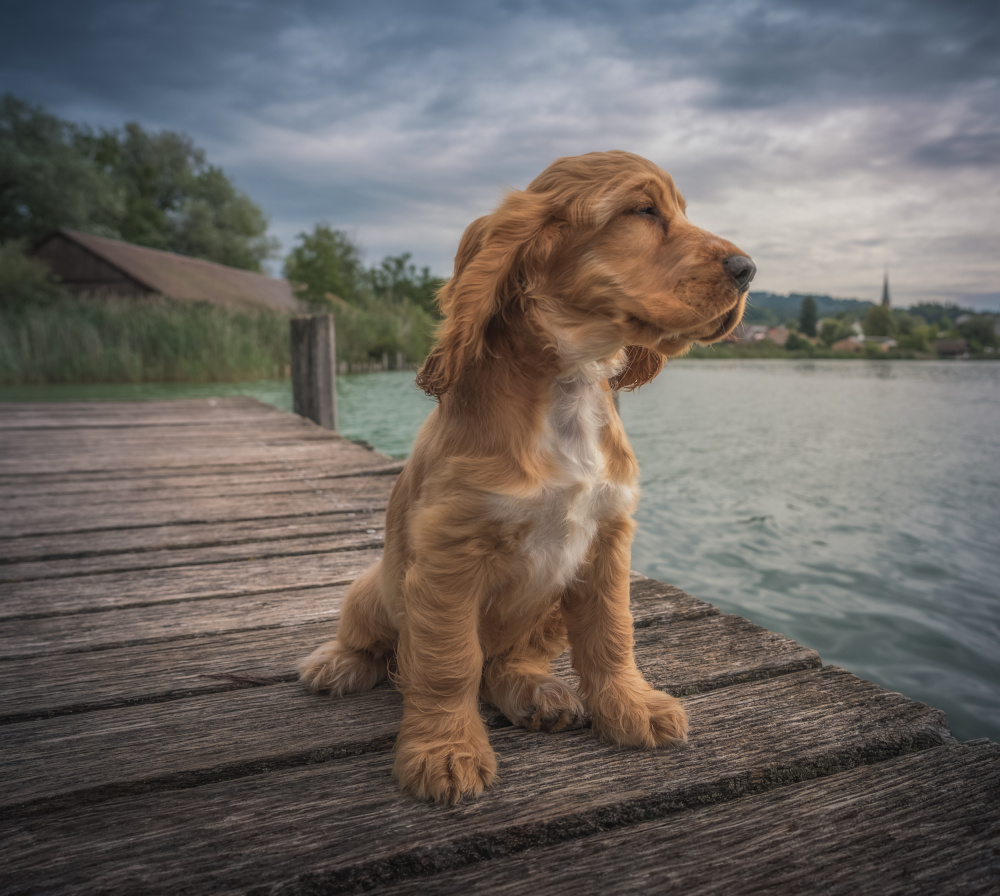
x=314 y=369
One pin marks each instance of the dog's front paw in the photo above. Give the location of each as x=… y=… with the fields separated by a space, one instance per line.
x=553 y=706
x=341 y=670
x=445 y=772
x=645 y=719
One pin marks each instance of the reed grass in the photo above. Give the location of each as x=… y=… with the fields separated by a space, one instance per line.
x=70 y=340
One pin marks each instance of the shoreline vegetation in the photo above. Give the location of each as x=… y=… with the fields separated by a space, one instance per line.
x=158 y=190
x=50 y=336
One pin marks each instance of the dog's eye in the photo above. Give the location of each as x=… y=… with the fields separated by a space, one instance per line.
x=650 y=211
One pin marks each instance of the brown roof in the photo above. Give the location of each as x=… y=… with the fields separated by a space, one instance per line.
x=193 y=279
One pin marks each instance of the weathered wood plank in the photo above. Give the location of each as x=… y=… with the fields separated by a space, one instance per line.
x=336 y=495
x=53 y=684
x=178 y=536
x=169 y=621
x=360 y=530
x=338 y=823
x=85 y=504
x=926 y=823
x=248 y=478
x=168 y=412
x=105 y=591
x=198 y=453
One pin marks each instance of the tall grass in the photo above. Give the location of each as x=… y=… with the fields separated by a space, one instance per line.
x=69 y=340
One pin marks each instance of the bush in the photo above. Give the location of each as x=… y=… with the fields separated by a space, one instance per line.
x=24 y=281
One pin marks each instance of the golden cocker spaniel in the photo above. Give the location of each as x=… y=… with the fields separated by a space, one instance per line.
x=508 y=533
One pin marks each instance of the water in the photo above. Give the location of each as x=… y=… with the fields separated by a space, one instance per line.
x=852 y=505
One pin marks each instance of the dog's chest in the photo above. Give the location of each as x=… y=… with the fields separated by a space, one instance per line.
x=563 y=517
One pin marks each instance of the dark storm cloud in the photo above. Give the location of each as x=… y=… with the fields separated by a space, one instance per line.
x=403 y=120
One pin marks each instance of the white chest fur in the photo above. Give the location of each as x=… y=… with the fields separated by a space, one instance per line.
x=564 y=515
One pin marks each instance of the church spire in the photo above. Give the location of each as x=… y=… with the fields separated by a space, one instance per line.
x=885 y=290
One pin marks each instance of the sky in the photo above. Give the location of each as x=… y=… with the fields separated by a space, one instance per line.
x=829 y=140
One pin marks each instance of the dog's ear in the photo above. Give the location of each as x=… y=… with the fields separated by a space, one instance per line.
x=498 y=257
x=641 y=365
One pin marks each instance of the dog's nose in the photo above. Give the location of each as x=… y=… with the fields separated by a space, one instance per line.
x=741 y=269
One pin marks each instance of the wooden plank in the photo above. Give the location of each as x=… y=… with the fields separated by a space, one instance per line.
x=103 y=456
x=358 y=494
x=148 y=624
x=55 y=683
x=926 y=823
x=340 y=823
x=223 y=480
x=179 y=536
x=165 y=412
x=692 y=653
x=104 y=591
x=161 y=741
x=359 y=530
x=88 y=502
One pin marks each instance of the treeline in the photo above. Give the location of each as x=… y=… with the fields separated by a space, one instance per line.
x=159 y=190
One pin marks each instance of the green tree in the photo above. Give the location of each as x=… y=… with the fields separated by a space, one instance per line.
x=175 y=200
x=807 y=316
x=396 y=279
x=326 y=263
x=828 y=331
x=154 y=189
x=46 y=181
x=979 y=330
x=879 y=321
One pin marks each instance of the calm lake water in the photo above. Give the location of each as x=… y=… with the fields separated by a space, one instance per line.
x=852 y=505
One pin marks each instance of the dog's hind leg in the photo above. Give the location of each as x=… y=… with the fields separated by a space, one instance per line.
x=358 y=658
x=519 y=682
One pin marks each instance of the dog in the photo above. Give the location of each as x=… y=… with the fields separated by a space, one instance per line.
x=509 y=530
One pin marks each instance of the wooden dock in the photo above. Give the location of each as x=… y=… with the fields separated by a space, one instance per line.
x=163 y=566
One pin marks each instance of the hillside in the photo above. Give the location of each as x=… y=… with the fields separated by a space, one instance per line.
x=771 y=308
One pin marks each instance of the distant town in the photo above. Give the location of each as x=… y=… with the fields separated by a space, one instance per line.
x=821 y=326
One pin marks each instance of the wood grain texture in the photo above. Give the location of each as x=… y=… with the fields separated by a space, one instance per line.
x=343 y=821
x=341 y=495
x=173 y=537
x=133 y=742
x=926 y=823
x=352 y=531
x=104 y=591
x=164 y=565
x=57 y=682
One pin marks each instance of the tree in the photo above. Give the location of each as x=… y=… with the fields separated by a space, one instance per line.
x=879 y=321
x=154 y=189
x=979 y=330
x=326 y=263
x=175 y=200
x=46 y=182
x=807 y=316
x=396 y=279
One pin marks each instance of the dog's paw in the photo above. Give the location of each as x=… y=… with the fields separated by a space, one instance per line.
x=341 y=670
x=646 y=719
x=445 y=772
x=552 y=706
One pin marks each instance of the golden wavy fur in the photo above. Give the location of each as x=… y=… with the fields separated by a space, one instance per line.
x=508 y=533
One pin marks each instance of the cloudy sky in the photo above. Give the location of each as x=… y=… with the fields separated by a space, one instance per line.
x=827 y=139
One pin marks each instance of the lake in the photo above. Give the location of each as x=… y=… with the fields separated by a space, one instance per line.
x=851 y=505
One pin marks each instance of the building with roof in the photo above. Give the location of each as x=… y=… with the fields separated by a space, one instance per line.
x=96 y=265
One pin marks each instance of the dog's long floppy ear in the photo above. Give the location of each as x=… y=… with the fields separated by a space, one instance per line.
x=641 y=365
x=499 y=256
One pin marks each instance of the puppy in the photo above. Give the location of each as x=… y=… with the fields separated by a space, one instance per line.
x=508 y=533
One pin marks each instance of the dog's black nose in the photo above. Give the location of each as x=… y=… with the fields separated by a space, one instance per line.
x=741 y=269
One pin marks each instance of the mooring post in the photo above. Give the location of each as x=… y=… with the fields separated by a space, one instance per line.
x=314 y=369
